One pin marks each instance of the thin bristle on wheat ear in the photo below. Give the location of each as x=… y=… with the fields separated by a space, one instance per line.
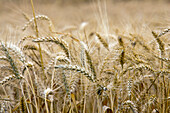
x=77 y=69
x=56 y=40
x=39 y=17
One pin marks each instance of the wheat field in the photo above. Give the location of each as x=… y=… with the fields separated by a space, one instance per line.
x=87 y=56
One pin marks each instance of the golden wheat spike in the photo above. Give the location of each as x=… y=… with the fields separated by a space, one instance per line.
x=11 y=61
x=163 y=32
x=90 y=62
x=15 y=51
x=56 y=40
x=102 y=40
x=6 y=79
x=3 y=58
x=77 y=69
x=26 y=38
x=39 y=17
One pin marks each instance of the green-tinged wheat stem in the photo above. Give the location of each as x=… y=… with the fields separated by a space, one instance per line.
x=56 y=40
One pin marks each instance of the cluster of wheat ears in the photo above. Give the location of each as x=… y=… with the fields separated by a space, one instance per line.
x=62 y=73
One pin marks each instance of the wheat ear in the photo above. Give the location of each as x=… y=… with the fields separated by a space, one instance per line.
x=56 y=40
x=26 y=38
x=39 y=17
x=16 y=51
x=6 y=79
x=3 y=58
x=163 y=32
x=131 y=105
x=102 y=40
x=89 y=61
x=12 y=63
x=122 y=55
x=77 y=69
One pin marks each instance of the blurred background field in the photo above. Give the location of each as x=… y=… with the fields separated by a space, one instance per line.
x=64 y=13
